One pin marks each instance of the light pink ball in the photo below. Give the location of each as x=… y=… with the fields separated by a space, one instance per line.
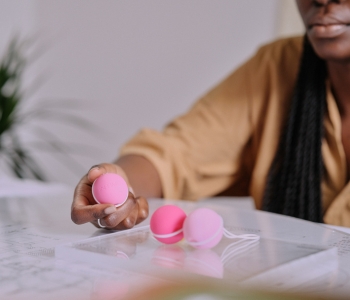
x=166 y=221
x=110 y=188
x=203 y=228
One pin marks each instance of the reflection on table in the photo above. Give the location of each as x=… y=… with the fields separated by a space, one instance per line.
x=44 y=255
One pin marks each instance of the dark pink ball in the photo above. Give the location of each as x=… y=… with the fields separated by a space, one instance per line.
x=166 y=224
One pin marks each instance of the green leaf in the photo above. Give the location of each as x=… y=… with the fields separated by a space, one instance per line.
x=17 y=155
x=24 y=166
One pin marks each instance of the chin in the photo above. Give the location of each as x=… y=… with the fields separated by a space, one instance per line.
x=332 y=50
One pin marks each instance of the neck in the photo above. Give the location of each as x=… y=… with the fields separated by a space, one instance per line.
x=339 y=76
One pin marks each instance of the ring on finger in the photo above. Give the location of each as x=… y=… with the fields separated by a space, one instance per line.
x=99 y=223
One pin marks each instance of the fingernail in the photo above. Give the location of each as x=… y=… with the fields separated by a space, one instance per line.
x=131 y=191
x=93 y=167
x=102 y=223
x=110 y=210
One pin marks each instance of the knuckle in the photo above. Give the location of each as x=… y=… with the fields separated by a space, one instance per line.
x=111 y=221
x=96 y=215
x=132 y=199
x=74 y=217
x=144 y=214
x=143 y=208
x=128 y=223
x=108 y=223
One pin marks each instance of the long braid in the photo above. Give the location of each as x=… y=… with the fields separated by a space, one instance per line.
x=294 y=181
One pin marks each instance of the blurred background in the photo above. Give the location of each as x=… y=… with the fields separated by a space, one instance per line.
x=105 y=69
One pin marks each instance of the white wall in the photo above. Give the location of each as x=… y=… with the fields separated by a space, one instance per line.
x=288 y=19
x=132 y=63
x=15 y=17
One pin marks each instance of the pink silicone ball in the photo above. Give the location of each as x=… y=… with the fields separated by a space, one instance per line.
x=110 y=188
x=203 y=228
x=166 y=224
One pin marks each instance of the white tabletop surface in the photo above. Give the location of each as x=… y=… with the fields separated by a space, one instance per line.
x=43 y=255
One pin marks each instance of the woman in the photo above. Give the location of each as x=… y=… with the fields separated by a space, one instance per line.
x=277 y=129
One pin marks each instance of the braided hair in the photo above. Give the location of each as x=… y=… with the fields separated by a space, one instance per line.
x=294 y=180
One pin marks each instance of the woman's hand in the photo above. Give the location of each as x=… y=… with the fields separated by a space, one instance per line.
x=85 y=209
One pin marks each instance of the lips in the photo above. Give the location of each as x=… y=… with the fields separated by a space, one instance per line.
x=328 y=26
x=328 y=30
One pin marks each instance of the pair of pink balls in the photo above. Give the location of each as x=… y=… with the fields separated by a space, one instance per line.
x=203 y=228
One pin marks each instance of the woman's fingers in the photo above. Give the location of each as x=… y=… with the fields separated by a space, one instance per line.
x=124 y=215
x=104 y=168
x=85 y=209
x=82 y=214
x=132 y=212
x=143 y=209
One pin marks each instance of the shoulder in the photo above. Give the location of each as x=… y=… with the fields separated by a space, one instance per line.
x=282 y=54
x=273 y=66
x=279 y=58
x=272 y=69
x=283 y=48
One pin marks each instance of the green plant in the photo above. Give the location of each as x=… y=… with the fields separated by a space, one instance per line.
x=15 y=153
